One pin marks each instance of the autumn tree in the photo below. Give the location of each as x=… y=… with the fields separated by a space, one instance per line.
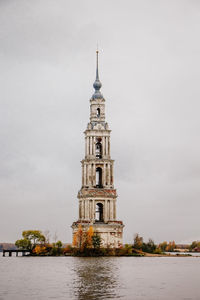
x=86 y=241
x=89 y=235
x=195 y=244
x=24 y=244
x=163 y=246
x=78 y=238
x=56 y=248
x=138 y=242
x=31 y=238
x=74 y=242
x=40 y=250
x=59 y=247
x=59 y=244
x=149 y=247
x=96 y=241
x=170 y=246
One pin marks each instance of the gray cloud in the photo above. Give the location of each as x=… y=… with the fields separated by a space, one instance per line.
x=149 y=67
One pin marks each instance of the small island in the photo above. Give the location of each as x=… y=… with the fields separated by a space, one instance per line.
x=89 y=244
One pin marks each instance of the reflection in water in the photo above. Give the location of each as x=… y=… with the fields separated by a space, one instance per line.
x=95 y=278
x=100 y=278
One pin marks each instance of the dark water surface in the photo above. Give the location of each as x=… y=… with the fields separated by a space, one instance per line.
x=99 y=278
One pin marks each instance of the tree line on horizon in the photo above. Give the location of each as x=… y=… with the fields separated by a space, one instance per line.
x=89 y=243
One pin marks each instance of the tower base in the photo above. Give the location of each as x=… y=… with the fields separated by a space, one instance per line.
x=111 y=233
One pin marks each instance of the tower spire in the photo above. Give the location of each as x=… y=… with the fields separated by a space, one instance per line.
x=97 y=84
x=97 y=65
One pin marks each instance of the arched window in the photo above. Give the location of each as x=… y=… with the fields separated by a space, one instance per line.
x=98 y=150
x=98 y=112
x=99 y=212
x=98 y=177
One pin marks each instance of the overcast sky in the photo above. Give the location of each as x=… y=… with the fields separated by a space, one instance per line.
x=150 y=71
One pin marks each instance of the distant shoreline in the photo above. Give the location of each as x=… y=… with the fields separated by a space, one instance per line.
x=133 y=255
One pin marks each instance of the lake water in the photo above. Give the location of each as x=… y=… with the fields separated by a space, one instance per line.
x=133 y=278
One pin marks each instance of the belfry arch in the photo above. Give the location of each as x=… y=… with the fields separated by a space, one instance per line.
x=98 y=148
x=99 y=212
x=98 y=112
x=99 y=177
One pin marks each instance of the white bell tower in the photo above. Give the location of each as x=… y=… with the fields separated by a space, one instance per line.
x=97 y=196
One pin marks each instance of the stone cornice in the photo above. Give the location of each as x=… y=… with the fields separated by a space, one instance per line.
x=97 y=161
x=114 y=223
x=97 y=193
x=97 y=101
x=100 y=132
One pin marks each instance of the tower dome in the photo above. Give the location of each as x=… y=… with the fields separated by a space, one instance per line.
x=97 y=84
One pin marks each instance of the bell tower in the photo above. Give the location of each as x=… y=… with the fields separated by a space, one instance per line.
x=97 y=196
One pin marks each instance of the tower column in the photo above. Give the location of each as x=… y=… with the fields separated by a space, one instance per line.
x=111 y=210
x=115 y=210
x=84 y=176
x=111 y=174
x=104 y=174
x=106 y=146
x=87 y=174
x=90 y=145
x=91 y=210
x=106 y=211
x=86 y=210
x=94 y=175
x=82 y=210
x=103 y=145
x=108 y=173
x=94 y=209
x=94 y=146
x=91 y=174
x=79 y=209
x=85 y=146
x=88 y=138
